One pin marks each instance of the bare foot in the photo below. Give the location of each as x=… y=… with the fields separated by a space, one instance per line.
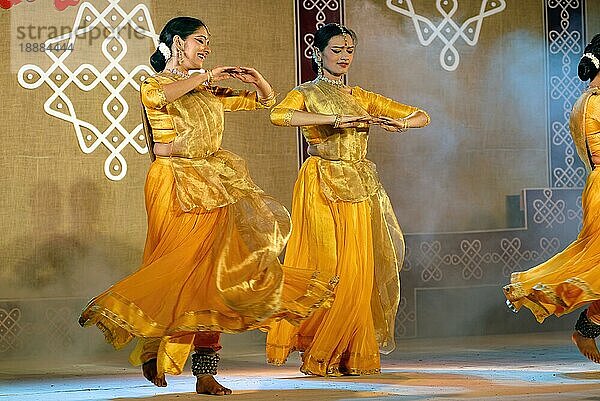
x=151 y=373
x=206 y=384
x=587 y=346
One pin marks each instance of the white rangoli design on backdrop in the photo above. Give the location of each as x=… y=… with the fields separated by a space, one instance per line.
x=112 y=76
x=447 y=30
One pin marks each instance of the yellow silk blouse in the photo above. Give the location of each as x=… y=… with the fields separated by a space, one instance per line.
x=592 y=125
x=585 y=125
x=345 y=173
x=206 y=176
x=155 y=103
x=373 y=103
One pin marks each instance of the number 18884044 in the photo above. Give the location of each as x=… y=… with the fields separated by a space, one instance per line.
x=42 y=47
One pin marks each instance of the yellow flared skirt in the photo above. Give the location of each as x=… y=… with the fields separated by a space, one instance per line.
x=211 y=270
x=334 y=238
x=572 y=277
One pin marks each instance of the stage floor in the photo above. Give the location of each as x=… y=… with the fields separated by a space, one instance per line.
x=516 y=367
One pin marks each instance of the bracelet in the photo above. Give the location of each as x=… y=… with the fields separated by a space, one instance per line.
x=405 y=126
x=209 y=80
x=267 y=100
x=337 y=121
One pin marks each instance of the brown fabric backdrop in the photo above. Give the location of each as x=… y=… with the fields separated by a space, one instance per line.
x=67 y=229
x=592 y=19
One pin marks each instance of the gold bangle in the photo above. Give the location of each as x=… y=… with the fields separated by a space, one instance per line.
x=270 y=96
x=404 y=127
x=337 y=121
x=209 y=80
x=268 y=100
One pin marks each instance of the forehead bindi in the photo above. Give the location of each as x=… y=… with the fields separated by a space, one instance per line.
x=341 y=41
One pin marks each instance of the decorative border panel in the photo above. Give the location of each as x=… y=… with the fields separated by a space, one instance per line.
x=565 y=41
x=485 y=259
x=49 y=323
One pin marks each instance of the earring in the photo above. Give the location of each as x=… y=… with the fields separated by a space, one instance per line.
x=179 y=56
x=319 y=63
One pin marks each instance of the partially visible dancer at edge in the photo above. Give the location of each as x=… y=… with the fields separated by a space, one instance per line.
x=571 y=278
x=342 y=219
x=210 y=260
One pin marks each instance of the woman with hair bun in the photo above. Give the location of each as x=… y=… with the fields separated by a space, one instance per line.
x=210 y=260
x=343 y=222
x=571 y=279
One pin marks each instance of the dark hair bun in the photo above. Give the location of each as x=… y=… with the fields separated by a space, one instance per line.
x=157 y=61
x=587 y=69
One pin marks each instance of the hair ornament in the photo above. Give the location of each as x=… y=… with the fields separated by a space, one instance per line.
x=593 y=58
x=164 y=49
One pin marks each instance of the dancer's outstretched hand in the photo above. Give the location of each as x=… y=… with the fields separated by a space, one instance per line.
x=355 y=121
x=389 y=124
x=248 y=75
x=221 y=73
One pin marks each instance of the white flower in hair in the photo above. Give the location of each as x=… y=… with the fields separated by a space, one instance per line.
x=164 y=49
x=594 y=59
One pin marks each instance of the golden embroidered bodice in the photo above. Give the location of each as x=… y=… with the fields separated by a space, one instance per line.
x=196 y=117
x=349 y=144
x=345 y=173
x=206 y=176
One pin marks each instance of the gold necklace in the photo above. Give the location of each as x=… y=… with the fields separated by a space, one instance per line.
x=177 y=72
x=338 y=83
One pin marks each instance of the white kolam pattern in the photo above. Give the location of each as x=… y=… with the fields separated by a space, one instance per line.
x=86 y=77
x=448 y=30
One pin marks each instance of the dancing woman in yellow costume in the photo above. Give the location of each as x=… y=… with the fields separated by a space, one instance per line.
x=571 y=279
x=343 y=222
x=210 y=261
